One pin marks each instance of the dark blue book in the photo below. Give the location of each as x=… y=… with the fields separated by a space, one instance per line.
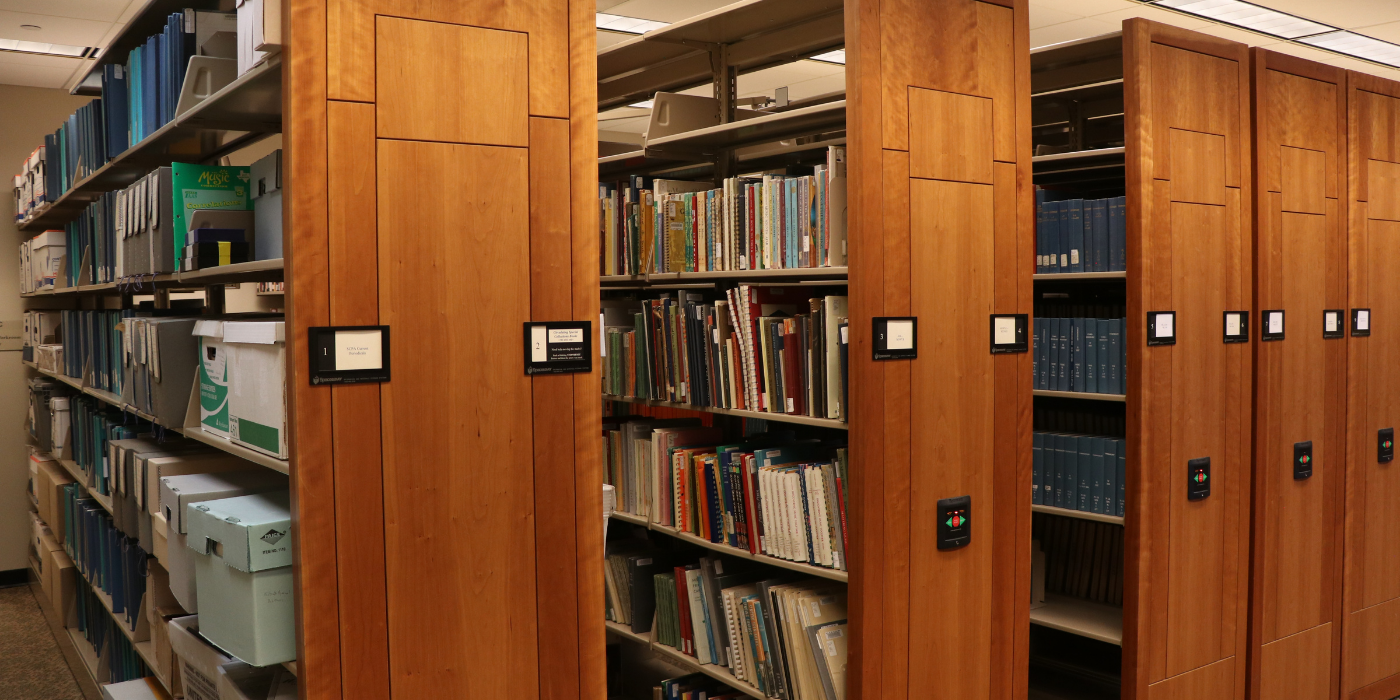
x=1118 y=234
x=1097 y=501
x=1115 y=366
x=1064 y=480
x=1037 y=466
x=1084 y=467
x=215 y=235
x=150 y=93
x=1099 y=228
x=1054 y=246
x=1089 y=253
x=1122 y=477
x=1110 y=476
x=1035 y=353
x=1043 y=372
x=1073 y=221
x=1057 y=354
x=1105 y=360
x=1123 y=356
x=1091 y=355
x=1077 y=347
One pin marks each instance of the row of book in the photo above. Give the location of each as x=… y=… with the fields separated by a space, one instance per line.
x=770 y=349
x=1079 y=472
x=30 y=183
x=766 y=494
x=1081 y=235
x=107 y=558
x=784 y=635
x=696 y=686
x=92 y=342
x=94 y=425
x=1080 y=354
x=763 y=222
x=1083 y=558
x=99 y=629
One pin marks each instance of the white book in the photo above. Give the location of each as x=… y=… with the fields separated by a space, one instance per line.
x=703 y=653
x=835 y=310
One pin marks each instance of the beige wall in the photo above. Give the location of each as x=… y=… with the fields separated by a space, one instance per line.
x=26 y=114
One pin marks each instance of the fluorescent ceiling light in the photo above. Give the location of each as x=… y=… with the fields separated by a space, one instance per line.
x=837 y=56
x=45 y=49
x=646 y=104
x=1249 y=16
x=625 y=25
x=1357 y=45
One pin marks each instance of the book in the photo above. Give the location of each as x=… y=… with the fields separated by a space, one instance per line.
x=1037 y=466
x=1118 y=234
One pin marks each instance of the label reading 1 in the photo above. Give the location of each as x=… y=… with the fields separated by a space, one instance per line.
x=558 y=347
x=1302 y=460
x=954 y=522
x=348 y=354
x=1198 y=479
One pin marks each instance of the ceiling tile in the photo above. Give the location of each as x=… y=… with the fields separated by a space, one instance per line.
x=1339 y=13
x=31 y=59
x=1069 y=31
x=1081 y=8
x=1388 y=32
x=33 y=76
x=1175 y=19
x=98 y=10
x=55 y=30
x=1044 y=16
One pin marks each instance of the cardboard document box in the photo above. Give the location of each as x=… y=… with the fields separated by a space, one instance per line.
x=164 y=366
x=139 y=689
x=213 y=377
x=243 y=570
x=176 y=495
x=257 y=395
x=199 y=660
x=60 y=583
x=239 y=681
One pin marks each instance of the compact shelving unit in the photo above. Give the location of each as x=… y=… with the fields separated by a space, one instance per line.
x=247 y=110
x=740 y=38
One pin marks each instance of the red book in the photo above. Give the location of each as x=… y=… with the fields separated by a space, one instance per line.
x=793 y=390
x=702 y=514
x=750 y=507
x=841 y=501
x=683 y=613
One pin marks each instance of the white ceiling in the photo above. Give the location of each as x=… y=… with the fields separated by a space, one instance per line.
x=1051 y=22
x=70 y=22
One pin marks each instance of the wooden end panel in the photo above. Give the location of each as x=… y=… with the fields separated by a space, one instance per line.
x=1199 y=166
x=1290 y=668
x=459 y=489
x=897 y=425
x=1372 y=641
x=1384 y=184
x=425 y=67
x=309 y=408
x=1300 y=112
x=951 y=229
x=1303 y=180
x=555 y=499
x=1371 y=130
x=1213 y=682
x=350 y=50
x=1200 y=407
x=359 y=493
x=949 y=136
x=1379 y=528
x=997 y=75
x=1196 y=92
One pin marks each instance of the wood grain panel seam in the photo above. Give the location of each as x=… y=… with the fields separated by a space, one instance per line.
x=377 y=15
x=357 y=102
x=454 y=143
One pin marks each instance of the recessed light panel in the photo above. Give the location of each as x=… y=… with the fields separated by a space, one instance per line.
x=626 y=25
x=1357 y=45
x=42 y=48
x=1249 y=16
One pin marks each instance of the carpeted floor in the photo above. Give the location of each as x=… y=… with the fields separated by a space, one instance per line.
x=31 y=665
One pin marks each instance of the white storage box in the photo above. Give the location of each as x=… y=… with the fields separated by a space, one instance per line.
x=199 y=660
x=257 y=381
x=212 y=377
x=243 y=570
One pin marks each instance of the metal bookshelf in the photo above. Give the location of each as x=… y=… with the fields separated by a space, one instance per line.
x=1082 y=395
x=1080 y=514
x=685 y=661
x=243 y=112
x=1081 y=617
x=763 y=415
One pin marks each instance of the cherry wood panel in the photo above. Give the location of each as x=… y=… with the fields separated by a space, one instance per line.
x=1300 y=267
x=1371 y=598
x=941 y=228
x=1190 y=249
x=427 y=66
x=354 y=295
x=952 y=383
x=1290 y=668
x=459 y=489
x=315 y=568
